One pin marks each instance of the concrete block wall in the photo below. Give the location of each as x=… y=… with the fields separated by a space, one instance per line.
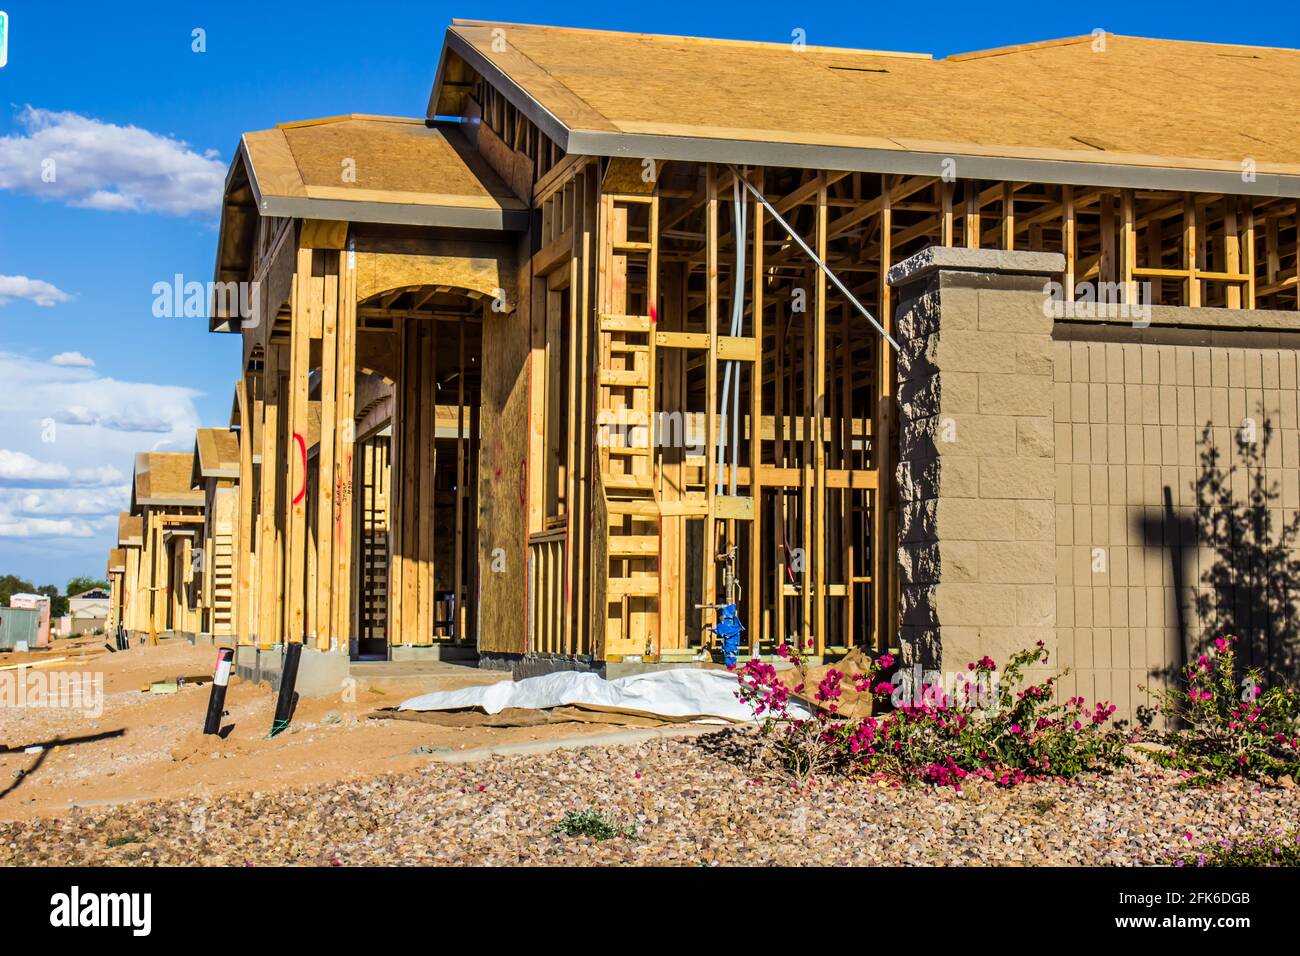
x=1046 y=468
x=976 y=459
x=1129 y=407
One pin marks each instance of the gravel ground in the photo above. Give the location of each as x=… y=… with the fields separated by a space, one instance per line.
x=692 y=802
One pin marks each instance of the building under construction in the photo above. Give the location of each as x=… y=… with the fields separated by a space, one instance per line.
x=880 y=349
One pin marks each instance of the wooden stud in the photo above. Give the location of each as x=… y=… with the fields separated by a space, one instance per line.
x=710 y=583
x=883 y=580
x=322 y=618
x=270 y=484
x=423 y=452
x=971 y=224
x=755 y=586
x=304 y=303
x=945 y=221
x=1231 y=251
x=1192 y=294
x=249 y=411
x=344 y=449
x=1008 y=216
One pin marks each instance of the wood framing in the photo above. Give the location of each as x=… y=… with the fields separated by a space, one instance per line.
x=548 y=381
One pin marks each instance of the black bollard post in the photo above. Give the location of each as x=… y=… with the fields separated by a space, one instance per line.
x=217 y=699
x=288 y=680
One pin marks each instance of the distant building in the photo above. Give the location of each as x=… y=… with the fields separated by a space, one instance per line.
x=35 y=602
x=89 y=610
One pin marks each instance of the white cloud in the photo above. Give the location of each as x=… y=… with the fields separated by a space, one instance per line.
x=89 y=163
x=34 y=290
x=62 y=484
x=97 y=475
x=64 y=502
x=73 y=360
x=19 y=466
x=11 y=527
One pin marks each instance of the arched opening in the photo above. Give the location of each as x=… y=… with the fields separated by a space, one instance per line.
x=419 y=355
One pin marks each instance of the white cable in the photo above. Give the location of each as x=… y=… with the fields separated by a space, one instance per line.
x=821 y=265
x=737 y=320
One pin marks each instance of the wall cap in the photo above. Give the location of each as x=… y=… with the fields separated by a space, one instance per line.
x=950 y=258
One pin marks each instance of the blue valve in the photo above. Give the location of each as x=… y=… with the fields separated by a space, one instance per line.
x=728 y=630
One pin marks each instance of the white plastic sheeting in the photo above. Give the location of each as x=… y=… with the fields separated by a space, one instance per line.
x=680 y=693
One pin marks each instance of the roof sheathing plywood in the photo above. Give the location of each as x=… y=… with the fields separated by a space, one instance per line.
x=216 y=454
x=377 y=169
x=163 y=478
x=1060 y=111
x=130 y=530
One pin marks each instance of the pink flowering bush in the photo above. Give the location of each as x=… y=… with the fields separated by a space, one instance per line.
x=1226 y=725
x=934 y=736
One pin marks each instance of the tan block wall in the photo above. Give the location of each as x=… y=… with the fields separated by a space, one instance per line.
x=1042 y=514
x=976 y=475
x=1129 y=408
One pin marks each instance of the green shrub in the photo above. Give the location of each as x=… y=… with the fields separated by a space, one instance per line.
x=1224 y=726
x=593 y=824
x=990 y=728
x=1273 y=849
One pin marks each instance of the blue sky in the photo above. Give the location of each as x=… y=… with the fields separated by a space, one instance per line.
x=130 y=108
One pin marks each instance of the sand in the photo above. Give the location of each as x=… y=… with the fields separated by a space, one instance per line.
x=148 y=746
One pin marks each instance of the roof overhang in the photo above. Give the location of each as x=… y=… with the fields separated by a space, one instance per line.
x=209 y=461
x=280 y=188
x=852 y=153
x=403 y=171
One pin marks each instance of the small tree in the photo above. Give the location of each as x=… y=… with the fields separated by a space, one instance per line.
x=1252 y=586
x=58 y=602
x=81 y=584
x=11 y=584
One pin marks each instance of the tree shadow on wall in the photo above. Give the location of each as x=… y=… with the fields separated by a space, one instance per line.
x=1252 y=587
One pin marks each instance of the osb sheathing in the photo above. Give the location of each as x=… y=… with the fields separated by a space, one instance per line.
x=130 y=529
x=375 y=158
x=165 y=476
x=503 y=479
x=1115 y=101
x=217 y=450
x=384 y=264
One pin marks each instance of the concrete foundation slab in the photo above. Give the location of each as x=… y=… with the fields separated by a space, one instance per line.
x=320 y=673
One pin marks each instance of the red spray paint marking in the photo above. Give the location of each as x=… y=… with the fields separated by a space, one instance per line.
x=339 y=503
x=654 y=316
x=302 y=447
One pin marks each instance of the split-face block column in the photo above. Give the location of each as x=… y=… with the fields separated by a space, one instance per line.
x=976 y=472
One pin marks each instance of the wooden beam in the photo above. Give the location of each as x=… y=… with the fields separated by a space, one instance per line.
x=270 y=485
x=709 y=558
x=755 y=616
x=344 y=448
x=818 y=555
x=304 y=305
x=322 y=617
x=882 y=611
x=249 y=412
x=1192 y=291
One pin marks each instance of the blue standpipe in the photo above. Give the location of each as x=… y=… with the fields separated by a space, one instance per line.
x=728 y=630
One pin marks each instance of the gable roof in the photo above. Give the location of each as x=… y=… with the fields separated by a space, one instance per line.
x=216 y=455
x=130 y=530
x=163 y=478
x=1137 y=113
x=406 y=171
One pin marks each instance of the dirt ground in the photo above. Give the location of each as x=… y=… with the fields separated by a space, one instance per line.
x=151 y=746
